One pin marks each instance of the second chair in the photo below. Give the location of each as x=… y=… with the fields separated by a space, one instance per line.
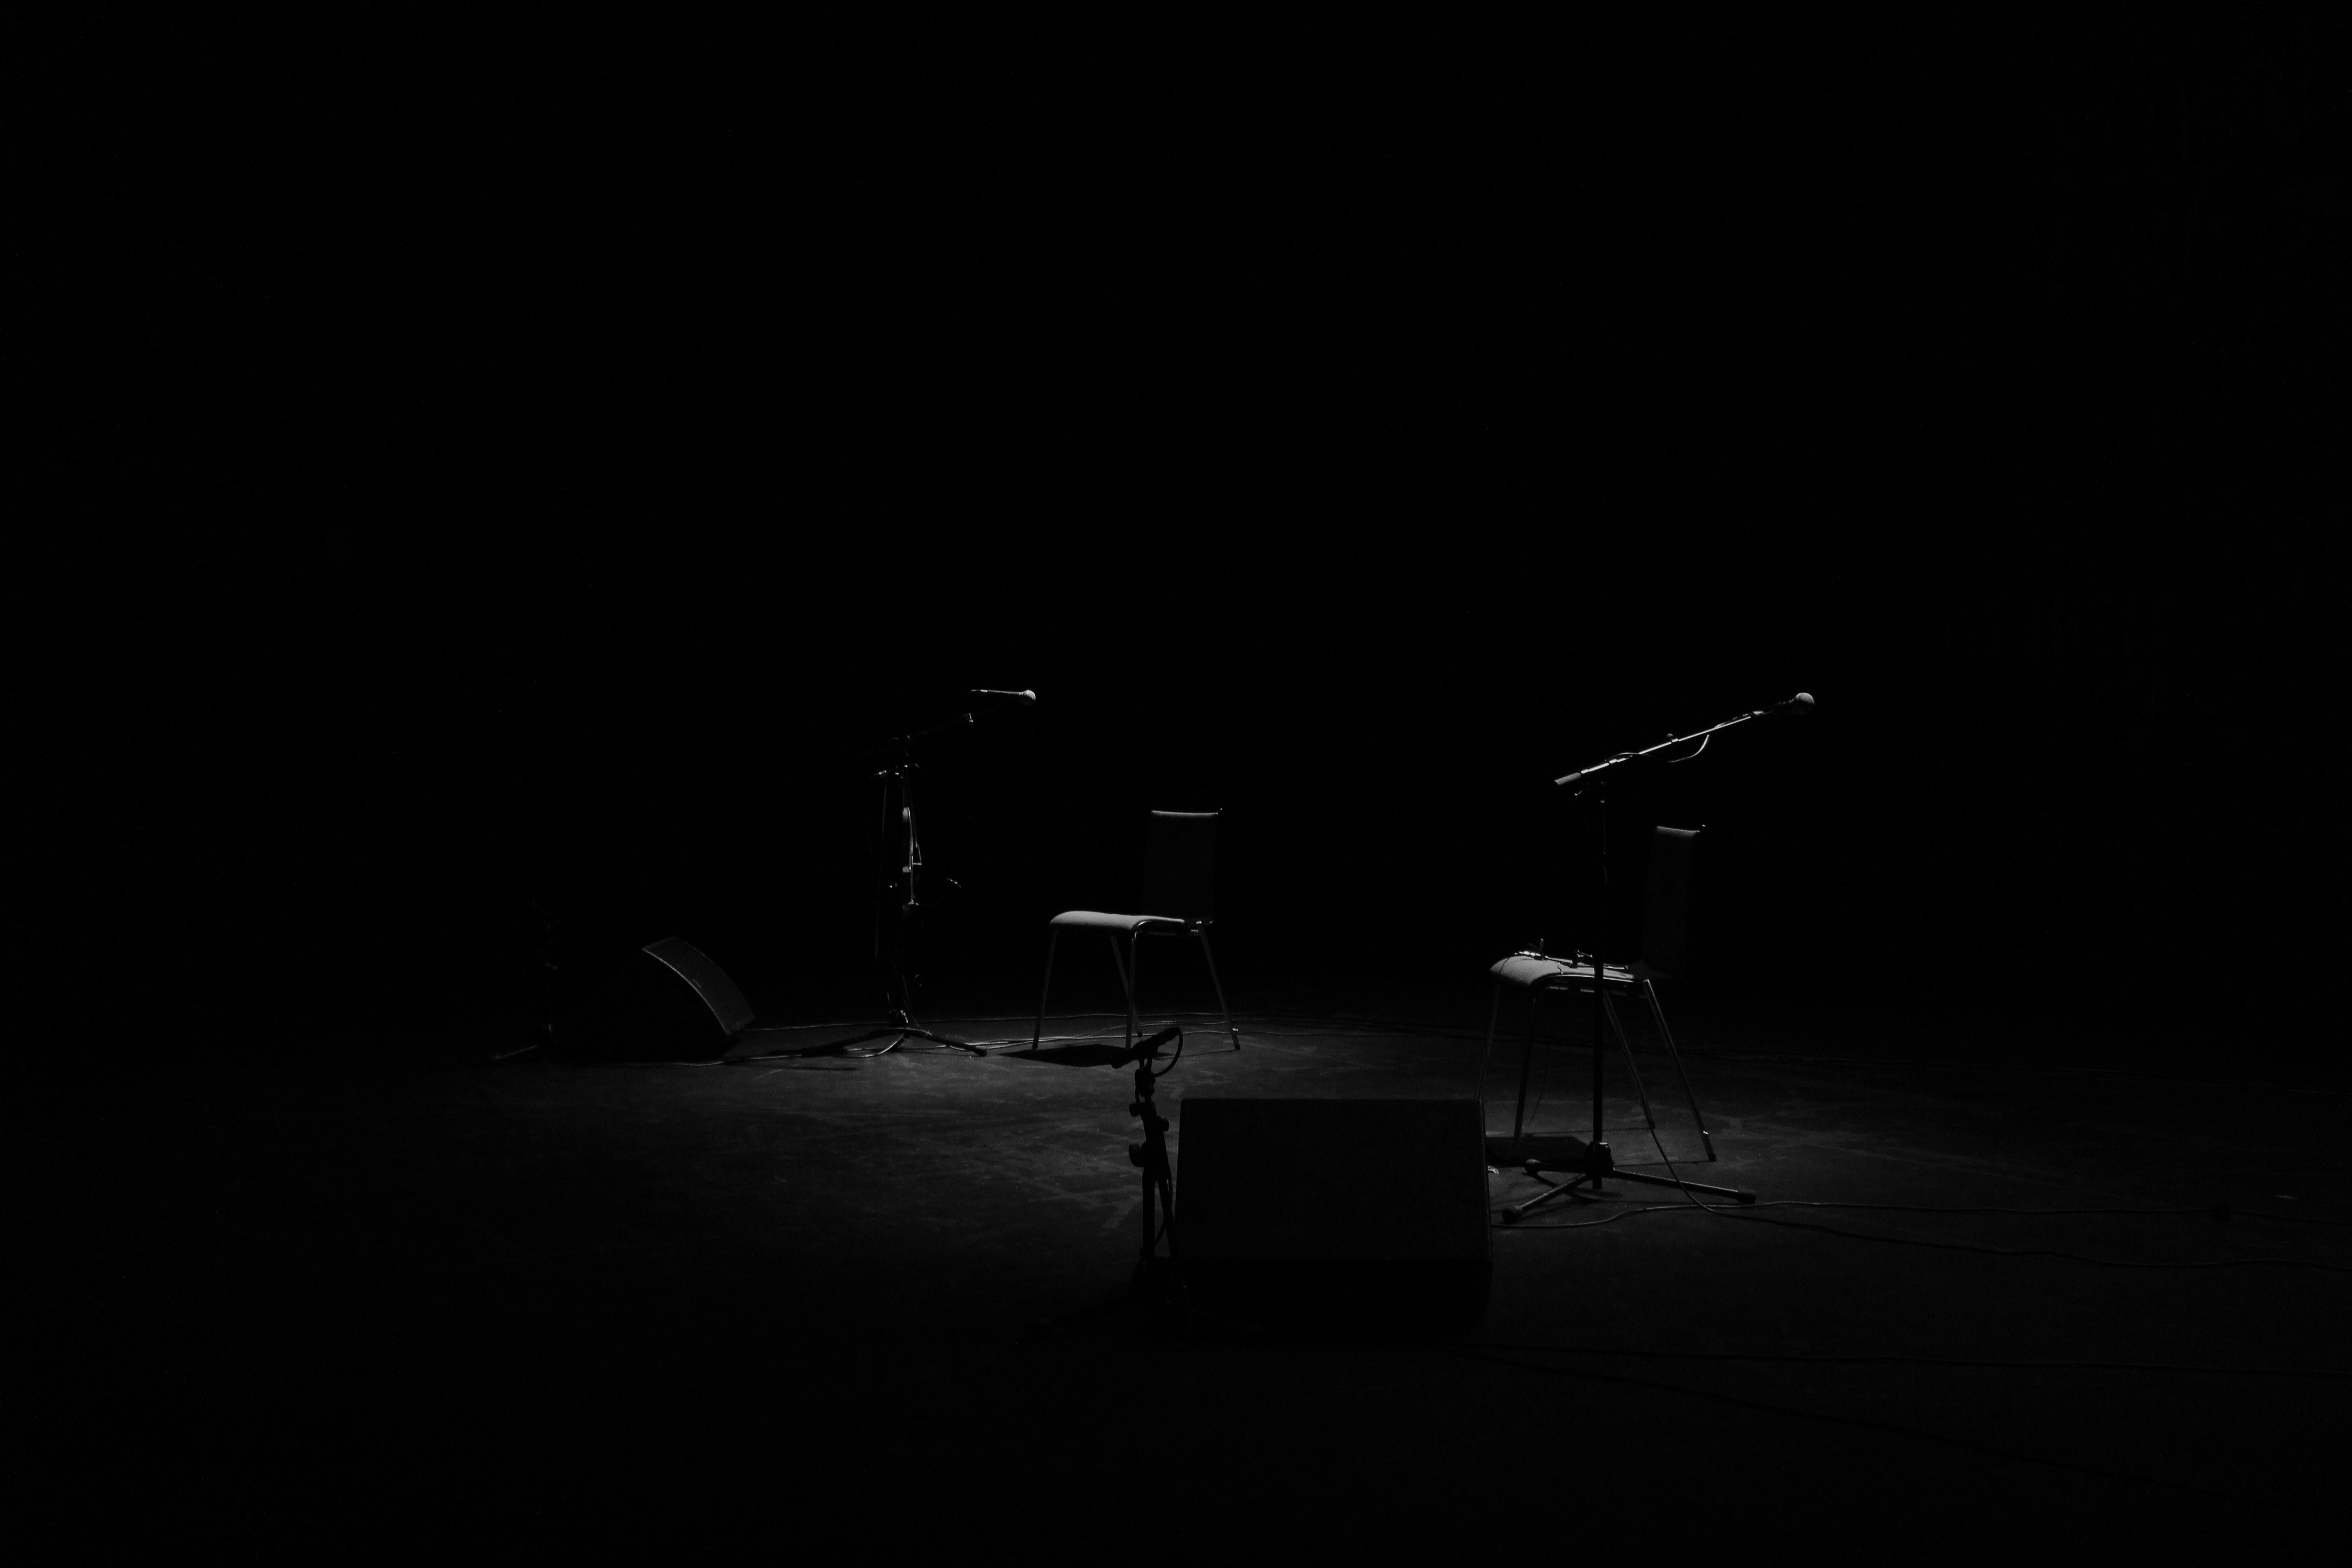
x=1666 y=900
x=1179 y=880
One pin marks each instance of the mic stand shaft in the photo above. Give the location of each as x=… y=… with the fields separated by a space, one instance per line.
x=1150 y=1157
x=1595 y=1164
x=1586 y=777
x=893 y=940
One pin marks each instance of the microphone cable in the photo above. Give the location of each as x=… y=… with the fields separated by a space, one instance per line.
x=2219 y=1211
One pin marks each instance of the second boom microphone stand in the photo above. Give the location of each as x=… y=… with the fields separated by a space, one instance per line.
x=1591 y=783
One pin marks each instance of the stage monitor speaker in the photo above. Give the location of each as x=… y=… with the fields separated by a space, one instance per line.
x=1334 y=1216
x=719 y=993
x=630 y=1003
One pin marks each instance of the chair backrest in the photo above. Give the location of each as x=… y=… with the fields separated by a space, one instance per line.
x=1180 y=865
x=1666 y=905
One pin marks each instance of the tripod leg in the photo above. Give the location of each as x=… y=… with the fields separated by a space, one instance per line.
x=1659 y=1014
x=1053 y=937
x=1551 y=1190
x=1233 y=1033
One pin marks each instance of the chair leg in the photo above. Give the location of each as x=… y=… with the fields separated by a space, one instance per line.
x=1486 y=1056
x=1232 y=1034
x=1666 y=1034
x=1125 y=981
x=1053 y=936
x=1486 y=1060
x=1633 y=1069
x=1518 y=1117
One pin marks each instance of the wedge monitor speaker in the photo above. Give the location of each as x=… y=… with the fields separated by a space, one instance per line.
x=666 y=1000
x=691 y=964
x=1337 y=1216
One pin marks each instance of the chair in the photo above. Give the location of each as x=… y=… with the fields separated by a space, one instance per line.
x=1665 y=902
x=1179 y=872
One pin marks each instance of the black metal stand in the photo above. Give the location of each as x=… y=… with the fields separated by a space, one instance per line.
x=1593 y=1163
x=1150 y=1157
x=1155 y=1282
x=898 y=900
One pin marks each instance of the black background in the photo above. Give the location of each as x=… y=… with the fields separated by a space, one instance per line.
x=537 y=462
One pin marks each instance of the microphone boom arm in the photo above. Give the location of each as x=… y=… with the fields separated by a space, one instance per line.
x=1803 y=702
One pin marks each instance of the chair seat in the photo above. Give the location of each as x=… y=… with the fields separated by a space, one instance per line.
x=1543 y=974
x=1095 y=920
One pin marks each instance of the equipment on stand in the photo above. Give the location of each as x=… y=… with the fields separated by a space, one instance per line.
x=1663 y=956
x=897 y=896
x=1150 y=1157
x=1594 y=1165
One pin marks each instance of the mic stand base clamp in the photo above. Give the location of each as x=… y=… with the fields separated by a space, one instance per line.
x=1594 y=1166
x=900 y=1029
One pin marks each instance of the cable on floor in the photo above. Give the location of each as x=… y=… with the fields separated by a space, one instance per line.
x=2103 y=1075
x=1696 y=1202
x=2211 y=1211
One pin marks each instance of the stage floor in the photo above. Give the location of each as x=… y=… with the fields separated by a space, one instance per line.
x=853 y=1277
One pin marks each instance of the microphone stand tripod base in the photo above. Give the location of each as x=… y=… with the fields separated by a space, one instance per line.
x=900 y=1028
x=1594 y=1166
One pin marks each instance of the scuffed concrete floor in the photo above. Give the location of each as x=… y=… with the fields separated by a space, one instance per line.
x=867 y=1282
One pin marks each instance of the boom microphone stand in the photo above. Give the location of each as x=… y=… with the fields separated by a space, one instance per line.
x=898 y=895
x=1591 y=783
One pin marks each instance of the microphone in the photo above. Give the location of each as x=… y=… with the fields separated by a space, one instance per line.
x=1029 y=698
x=1796 y=707
x=1578 y=776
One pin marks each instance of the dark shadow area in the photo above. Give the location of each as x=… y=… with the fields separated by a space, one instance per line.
x=528 y=1275
x=1069 y=1055
x=516 y=473
x=2070 y=702
x=1164 y=1313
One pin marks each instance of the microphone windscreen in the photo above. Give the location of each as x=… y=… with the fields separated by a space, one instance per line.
x=1803 y=702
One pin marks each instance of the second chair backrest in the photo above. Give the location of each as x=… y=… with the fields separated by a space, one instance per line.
x=1665 y=904
x=1180 y=865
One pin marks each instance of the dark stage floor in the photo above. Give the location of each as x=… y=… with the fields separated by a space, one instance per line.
x=820 y=1279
